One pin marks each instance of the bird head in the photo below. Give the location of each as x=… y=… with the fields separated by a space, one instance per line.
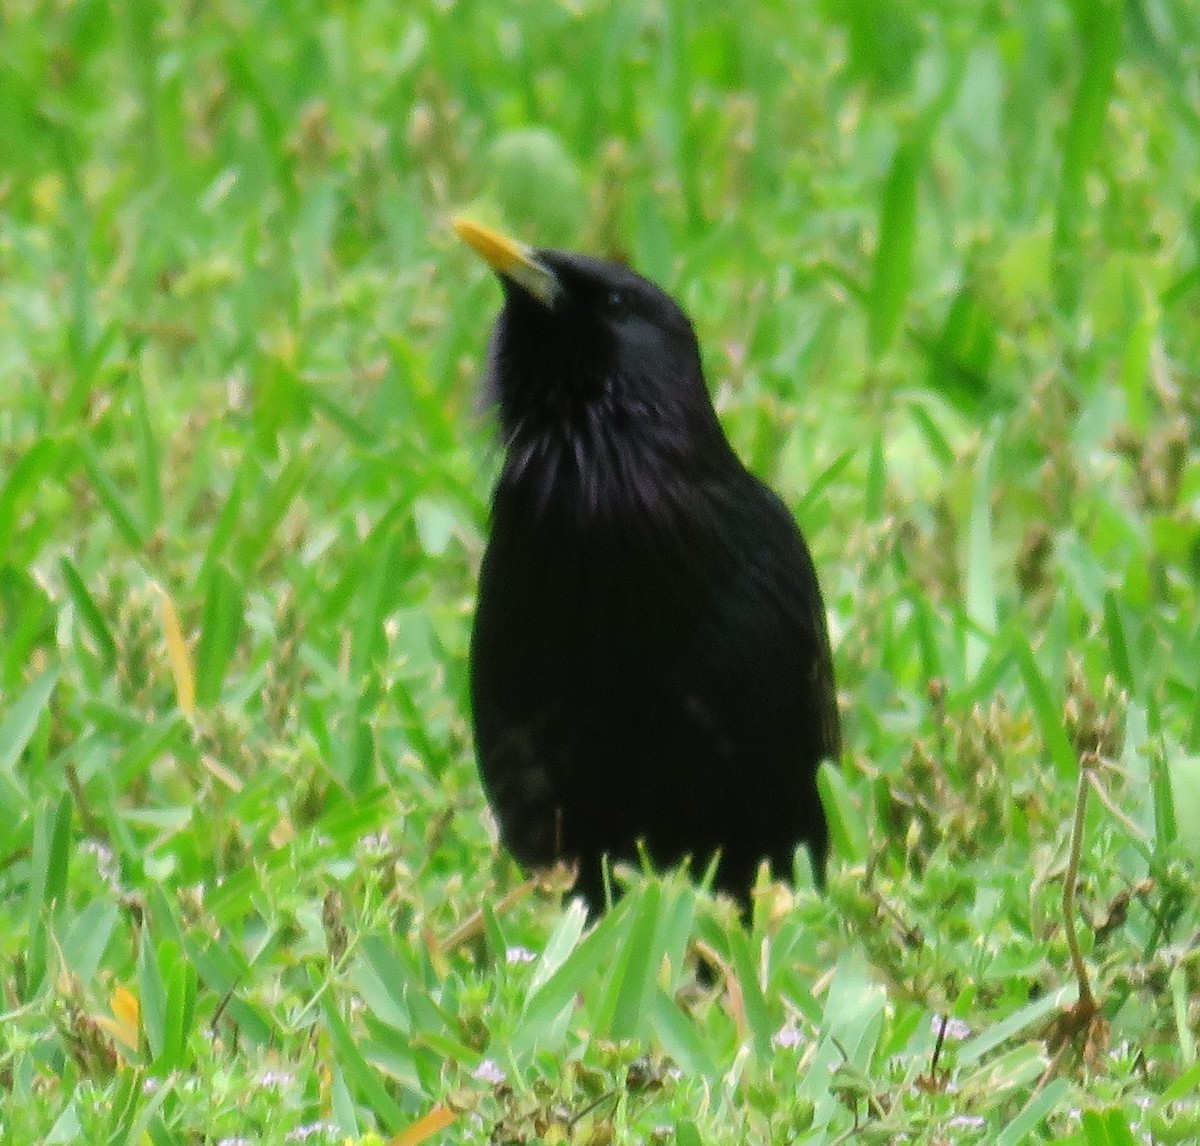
x=592 y=366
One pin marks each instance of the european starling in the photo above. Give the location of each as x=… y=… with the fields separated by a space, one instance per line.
x=650 y=662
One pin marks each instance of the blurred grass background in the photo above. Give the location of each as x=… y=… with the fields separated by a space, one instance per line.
x=944 y=261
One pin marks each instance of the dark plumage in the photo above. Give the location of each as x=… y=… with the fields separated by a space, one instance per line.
x=650 y=659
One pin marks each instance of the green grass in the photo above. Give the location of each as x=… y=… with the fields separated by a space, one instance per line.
x=945 y=264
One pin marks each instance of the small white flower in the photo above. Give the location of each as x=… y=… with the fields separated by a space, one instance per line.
x=488 y=1071
x=789 y=1035
x=966 y=1122
x=106 y=861
x=519 y=955
x=303 y=1133
x=956 y=1029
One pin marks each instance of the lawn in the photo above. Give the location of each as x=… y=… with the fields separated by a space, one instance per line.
x=944 y=262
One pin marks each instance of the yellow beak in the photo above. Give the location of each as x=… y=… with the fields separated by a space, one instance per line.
x=513 y=260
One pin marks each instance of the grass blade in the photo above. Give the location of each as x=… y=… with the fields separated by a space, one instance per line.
x=221 y=626
x=44 y=460
x=19 y=725
x=360 y=1076
x=1035 y=1110
x=621 y=1012
x=982 y=608
x=89 y=612
x=1048 y=714
x=47 y=883
x=1099 y=31
x=892 y=273
x=128 y=526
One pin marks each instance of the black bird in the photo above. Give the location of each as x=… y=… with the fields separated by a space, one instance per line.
x=650 y=660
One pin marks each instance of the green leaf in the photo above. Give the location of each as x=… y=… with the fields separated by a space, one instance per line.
x=1022 y=1019
x=224 y=975
x=27 y=622
x=1185 y=1086
x=67 y=1128
x=1136 y=359
x=1181 y=1005
x=758 y=1015
x=892 y=272
x=436 y=524
x=1048 y=714
x=179 y=1010
x=629 y=985
x=961 y=357
x=152 y=993
x=1119 y=1131
x=220 y=629
x=875 y=499
x=925 y=628
x=939 y=447
x=362 y=1079
x=822 y=482
x=375 y=597
x=47 y=884
x=1034 y=1112
x=1166 y=828
x=255 y=542
x=1118 y=644
x=1184 y=772
x=280 y=400
x=358 y=431
x=1095 y=1130
x=1099 y=30
x=679 y=1035
x=89 y=612
x=87 y=939
x=20 y=723
x=982 y=608
x=546 y=1009
x=563 y=940
x=130 y=528
x=144 y=1124
x=538 y=185
x=227 y=519
x=148 y=454
x=884 y=41
x=344 y=1108
x=58 y=857
x=46 y=460
x=847 y=831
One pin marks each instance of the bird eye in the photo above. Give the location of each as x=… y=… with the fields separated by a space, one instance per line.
x=616 y=301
